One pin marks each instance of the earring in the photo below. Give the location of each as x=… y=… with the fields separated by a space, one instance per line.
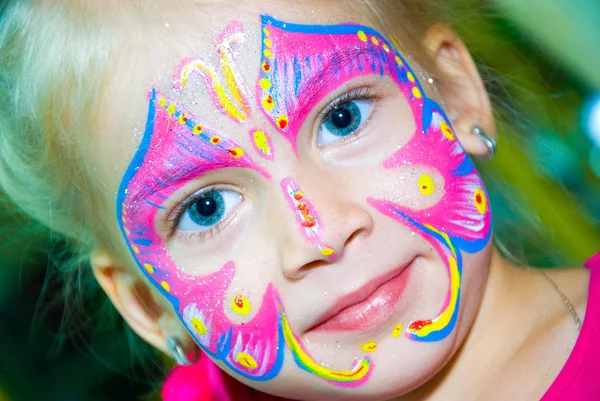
x=179 y=354
x=488 y=141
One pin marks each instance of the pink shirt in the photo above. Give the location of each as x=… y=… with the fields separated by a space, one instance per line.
x=579 y=379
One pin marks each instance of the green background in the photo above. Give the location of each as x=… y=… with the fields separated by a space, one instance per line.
x=541 y=63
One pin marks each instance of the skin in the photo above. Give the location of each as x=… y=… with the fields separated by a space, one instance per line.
x=511 y=315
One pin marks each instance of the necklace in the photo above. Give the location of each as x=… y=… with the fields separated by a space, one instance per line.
x=566 y=301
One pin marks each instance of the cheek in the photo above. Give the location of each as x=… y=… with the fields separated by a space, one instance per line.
x=233 y=316
x=417 y=188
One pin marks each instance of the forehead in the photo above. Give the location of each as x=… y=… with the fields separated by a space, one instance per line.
x=151 y=60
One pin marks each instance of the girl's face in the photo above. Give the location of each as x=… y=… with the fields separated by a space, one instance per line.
x=300 y=200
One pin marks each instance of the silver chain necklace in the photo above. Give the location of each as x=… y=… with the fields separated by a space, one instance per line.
x=566 y=301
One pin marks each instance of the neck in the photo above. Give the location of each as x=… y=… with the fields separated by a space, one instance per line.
x=501 y=319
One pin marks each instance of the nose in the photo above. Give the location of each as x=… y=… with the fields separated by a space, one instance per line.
x=320 y=229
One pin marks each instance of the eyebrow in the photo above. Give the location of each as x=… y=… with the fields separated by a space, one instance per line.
x=181 y=169
x=348 y=59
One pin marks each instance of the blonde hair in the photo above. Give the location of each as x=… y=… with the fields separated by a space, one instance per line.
x=55 y=58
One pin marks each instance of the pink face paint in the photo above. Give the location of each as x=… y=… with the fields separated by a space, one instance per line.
x=302 y=64
x=460 y=220
x=251 y=348
x=177 y=148
x=306 y=216
x=463 y=211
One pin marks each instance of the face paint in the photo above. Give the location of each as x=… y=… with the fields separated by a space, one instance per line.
x=237 y=109
x=339 y=53
x=175 y=150
x=461 y=220
x=302 y=64
x=306 y=216
x=294 y=77
x=355 y=377
x=262 y=144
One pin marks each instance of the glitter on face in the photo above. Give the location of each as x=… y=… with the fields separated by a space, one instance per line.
x=178 y=147
x=306 y=216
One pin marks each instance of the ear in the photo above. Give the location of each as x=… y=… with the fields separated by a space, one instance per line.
x=460 y=86
x=141 y=306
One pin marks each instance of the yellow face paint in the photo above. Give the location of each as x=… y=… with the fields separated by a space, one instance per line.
x=240 y=305
x=246 y=360
x=426 y=185
x=370 y=346
x=355 y=375
x=199 y=326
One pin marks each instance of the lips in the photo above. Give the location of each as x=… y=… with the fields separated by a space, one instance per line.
x=370 y=306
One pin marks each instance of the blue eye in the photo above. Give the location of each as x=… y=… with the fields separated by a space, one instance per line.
x=207 y=210
x=344 y=120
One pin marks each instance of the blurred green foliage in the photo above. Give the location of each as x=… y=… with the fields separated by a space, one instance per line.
x=540 y=62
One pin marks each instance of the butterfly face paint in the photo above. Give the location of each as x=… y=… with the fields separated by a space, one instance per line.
x=178 y=147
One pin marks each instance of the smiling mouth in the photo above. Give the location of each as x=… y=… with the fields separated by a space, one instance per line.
x=370 y=306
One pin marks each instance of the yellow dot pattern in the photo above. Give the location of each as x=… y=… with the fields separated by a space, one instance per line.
x=149 y=268
x=236 y=153
x=480 y=201
x=397 y=332
x=198 y=129
x=268 y=102
x=265 y=84
x=198 y=326
x=246 y=361
x=362 y=36
x=282 y=122
x=327 y=251
x=369 y=346
x=426 y=185
x=447 y=131
x=417 y=93
x=240 y=305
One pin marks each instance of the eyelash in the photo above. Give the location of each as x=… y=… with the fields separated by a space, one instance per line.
x=362 y=93
x=178 y=211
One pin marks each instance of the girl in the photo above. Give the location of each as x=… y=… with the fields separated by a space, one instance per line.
x=288 y=187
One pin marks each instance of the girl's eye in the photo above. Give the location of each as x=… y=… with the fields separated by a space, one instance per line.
x=207 y=210
x=343 y=120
